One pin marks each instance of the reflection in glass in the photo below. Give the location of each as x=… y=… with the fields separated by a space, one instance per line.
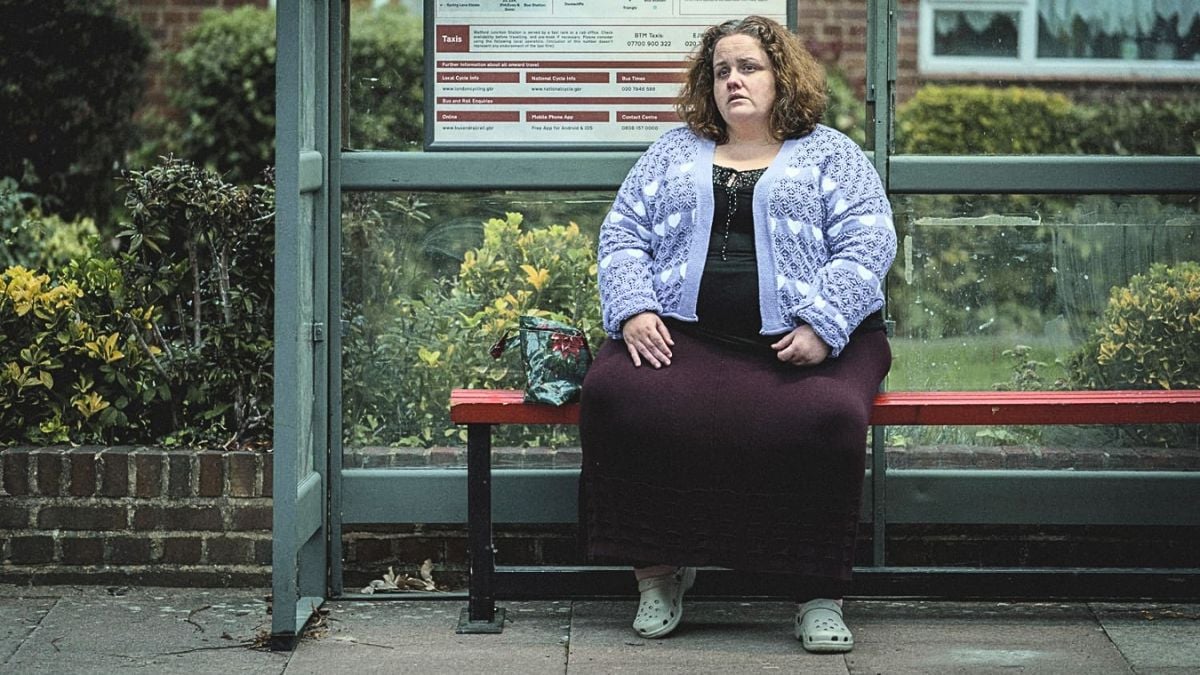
x=963 y=33
x=385 y=86
x=1029 y=292
x=430 y=281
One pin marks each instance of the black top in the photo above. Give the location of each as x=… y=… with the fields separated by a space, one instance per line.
x=727 y=306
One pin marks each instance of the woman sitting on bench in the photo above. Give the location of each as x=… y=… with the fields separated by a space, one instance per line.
x=740 y=272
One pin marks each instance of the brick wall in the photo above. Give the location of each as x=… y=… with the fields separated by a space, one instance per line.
x=135 y=515
x=835 y=31
x=203 y=518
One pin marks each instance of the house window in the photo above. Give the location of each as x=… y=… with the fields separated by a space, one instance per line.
x=1060 y=38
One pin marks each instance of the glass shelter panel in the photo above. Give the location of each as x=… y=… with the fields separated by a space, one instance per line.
x=383 y=105
x=430 y=282
x=1045 y=292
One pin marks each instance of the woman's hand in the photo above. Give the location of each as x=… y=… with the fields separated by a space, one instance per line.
x=801 y=347
x=646 y=336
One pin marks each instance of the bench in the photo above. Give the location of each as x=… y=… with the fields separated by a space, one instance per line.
x=481 y=409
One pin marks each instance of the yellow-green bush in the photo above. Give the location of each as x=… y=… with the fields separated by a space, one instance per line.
x=398 y=379
x=1147 y=338
x=984 y=120
x=70 y=373
x=1149 y=335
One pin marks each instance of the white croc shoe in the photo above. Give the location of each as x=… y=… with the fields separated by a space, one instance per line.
x=819 y=627
x=661 y=605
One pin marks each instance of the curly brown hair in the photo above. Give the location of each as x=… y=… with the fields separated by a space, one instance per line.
x=800 y=97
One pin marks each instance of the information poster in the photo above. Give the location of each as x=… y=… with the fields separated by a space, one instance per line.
x=538 y=74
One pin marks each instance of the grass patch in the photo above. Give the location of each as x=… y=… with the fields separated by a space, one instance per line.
x=967 y=363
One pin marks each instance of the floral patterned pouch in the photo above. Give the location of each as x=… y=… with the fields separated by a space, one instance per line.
x=556 y=357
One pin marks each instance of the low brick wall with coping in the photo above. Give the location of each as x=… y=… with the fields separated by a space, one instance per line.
x=135 y=515
x=145 y=515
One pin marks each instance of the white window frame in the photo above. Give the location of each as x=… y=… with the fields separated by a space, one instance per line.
x=1027 y=64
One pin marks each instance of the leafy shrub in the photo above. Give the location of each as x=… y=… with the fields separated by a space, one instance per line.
x=33 y=240
x=73 y=366
x=1148 y=338
x=223 y=84
x=1149 y=335
x=71 y=76
x=387 y=76
x=200 y=249
x=956 y=120
x=846 y=112
x=1131 y=126
x=1104 y=241
x=398 y=381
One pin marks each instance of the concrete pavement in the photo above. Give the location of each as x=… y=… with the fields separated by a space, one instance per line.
x=63 y=630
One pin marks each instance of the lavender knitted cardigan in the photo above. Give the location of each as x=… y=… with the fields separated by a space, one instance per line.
x=822 y=229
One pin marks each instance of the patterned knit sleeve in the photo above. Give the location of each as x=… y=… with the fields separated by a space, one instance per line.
x=861 y=239
x=625 y=251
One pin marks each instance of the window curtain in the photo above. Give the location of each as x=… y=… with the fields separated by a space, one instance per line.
x=946 y=22
x=1117 y=16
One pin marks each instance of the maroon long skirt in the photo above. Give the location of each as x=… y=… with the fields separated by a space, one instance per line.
x=728 y=458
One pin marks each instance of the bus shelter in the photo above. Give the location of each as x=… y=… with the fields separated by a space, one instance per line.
x=320 y=173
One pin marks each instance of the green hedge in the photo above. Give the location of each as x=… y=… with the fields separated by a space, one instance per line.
x=955 y=120
x=71 y=76
x=1133 y=126
x=958 y=119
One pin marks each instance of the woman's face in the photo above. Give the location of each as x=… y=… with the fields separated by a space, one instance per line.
x=743 y=82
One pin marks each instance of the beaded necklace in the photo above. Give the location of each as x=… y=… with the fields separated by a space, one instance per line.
x=733 y=180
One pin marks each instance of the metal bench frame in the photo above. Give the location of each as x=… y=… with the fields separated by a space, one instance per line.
x=481 y=409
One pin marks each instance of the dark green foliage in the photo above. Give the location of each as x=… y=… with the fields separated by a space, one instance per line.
x=71 y=76
x=956 y=120
x=386 y=81
x=1133 y=126
x=223 y=84
x=200 y=250
x=846 y=112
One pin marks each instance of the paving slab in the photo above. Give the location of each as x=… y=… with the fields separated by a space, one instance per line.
x=418 y=636
x=714 y=637
x=1154 y=638
x=982 y=637
x=21 y=617
x=146 y=630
